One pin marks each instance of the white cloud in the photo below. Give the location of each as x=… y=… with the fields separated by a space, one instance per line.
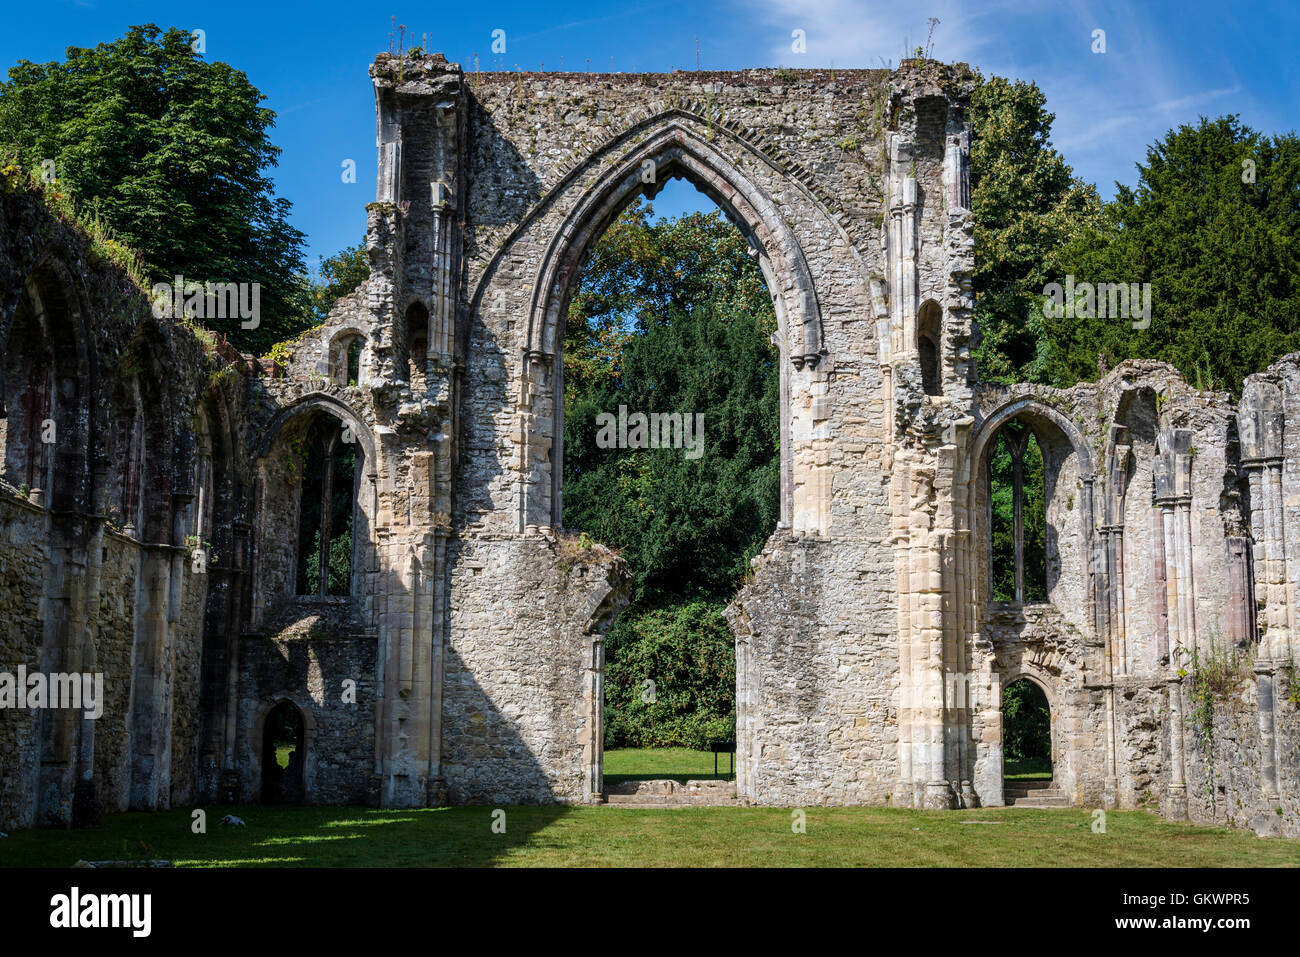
x=1109 y=106
x=867 y=35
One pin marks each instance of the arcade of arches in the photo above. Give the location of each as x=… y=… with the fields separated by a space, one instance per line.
x=368 y=539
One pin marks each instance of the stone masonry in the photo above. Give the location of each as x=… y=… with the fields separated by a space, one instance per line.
x=155 y=538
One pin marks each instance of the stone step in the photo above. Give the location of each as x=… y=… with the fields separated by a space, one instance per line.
x=1040 y=803
x=1034 y=794
x=668 y=793
x=1053 y=797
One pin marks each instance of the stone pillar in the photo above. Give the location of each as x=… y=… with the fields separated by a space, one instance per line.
x=1262 y=423
x=593 y=744
x=63 y=608
x=150 y=697
x=956 y=170
x=1172 y=475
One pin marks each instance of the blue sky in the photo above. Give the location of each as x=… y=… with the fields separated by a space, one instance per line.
x=1166 y=63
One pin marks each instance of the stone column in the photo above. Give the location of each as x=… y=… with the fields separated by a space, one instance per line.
x=63 y=610
x=1262 y=426
x=1173 y=496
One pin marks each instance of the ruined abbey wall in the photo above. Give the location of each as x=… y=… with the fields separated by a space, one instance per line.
x=460 y=657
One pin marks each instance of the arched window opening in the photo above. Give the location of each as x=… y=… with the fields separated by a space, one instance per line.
x=345 y=359
x=417 y=343
x=326 y=510
x=26 y=406
x=354 y=363
x=1018 y=503
x=928 y=337
x=1026 y=741
x=283 y=755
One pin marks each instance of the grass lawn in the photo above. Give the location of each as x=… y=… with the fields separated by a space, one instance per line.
x=1027 y=769
x=614 y=836
x=679 y=764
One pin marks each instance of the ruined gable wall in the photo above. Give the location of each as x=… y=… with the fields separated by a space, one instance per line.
x=820 y=685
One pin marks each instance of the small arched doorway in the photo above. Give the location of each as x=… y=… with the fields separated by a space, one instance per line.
x=283 y=753
x=1027 y=772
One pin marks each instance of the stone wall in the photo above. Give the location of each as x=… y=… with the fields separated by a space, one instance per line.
x=98 y=476
x=309 y=669
x=870 y=654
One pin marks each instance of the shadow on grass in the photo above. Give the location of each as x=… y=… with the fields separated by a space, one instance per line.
x=276 y=836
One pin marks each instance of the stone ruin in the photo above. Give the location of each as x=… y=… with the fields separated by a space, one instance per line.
x=457 y=657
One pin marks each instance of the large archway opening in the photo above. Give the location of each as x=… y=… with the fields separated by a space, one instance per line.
x=671 y=385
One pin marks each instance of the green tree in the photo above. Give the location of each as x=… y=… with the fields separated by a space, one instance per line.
x=172 y=152
x=673 y=317
x=686 y=650
x=1026 y=722
x=1028 y=205
x=1214 y=226
x=340 y=274
x=1033 y=518
x=681 y=325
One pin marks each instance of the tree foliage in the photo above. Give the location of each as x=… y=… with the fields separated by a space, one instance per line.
x=172 y=152
x=1033 y=519
x=340 y=274
x=1028 y=206
x=673 y=317
x=687 y=651
x=1026 y=722
x=1220 y=251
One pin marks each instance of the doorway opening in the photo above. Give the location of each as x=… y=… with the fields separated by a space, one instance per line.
x=283 y=754
x=1026 y=737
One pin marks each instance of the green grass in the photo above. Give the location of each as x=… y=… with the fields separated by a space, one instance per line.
x=678 y=764
x=688 y=836
x=1027 y=769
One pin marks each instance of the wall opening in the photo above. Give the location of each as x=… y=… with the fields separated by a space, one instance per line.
x=929 y=333
x=283 y=755
x=44 y=441
x=345 y=359
x=1026 y=736
x=326 y=510
x=353 y=363
x=26 y=403
x=670 y=383
x=417 y=343
x=1018 y=505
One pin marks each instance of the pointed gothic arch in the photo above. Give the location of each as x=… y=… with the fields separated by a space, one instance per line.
x=669 y=151
x=665 y=148
x=1069 y=474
